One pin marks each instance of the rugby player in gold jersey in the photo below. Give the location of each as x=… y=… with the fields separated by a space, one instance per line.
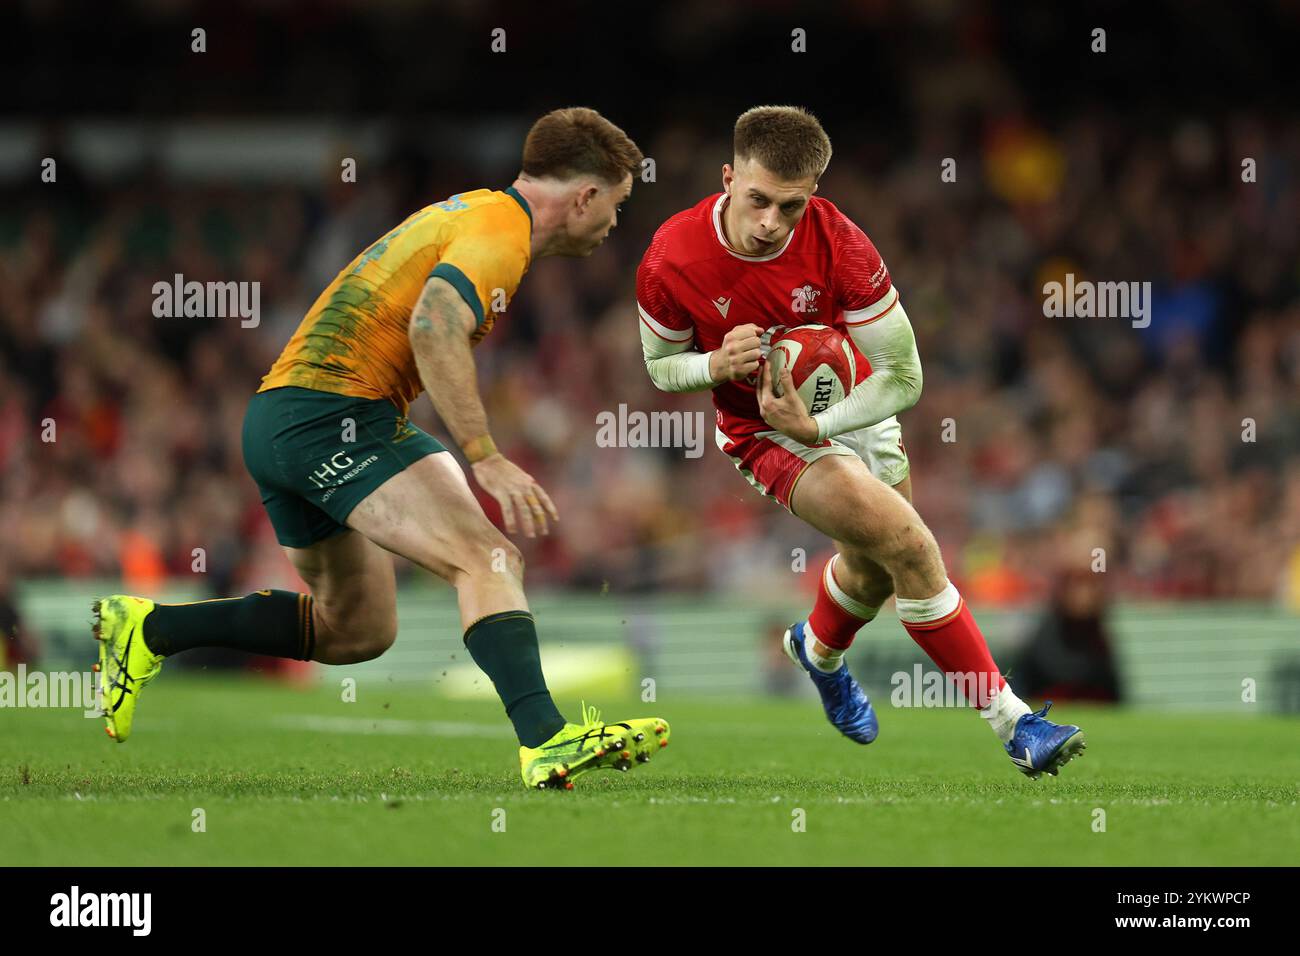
x=346 y=478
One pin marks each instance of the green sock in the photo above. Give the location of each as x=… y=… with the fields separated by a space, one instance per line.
x=504 y=646
x=274 y=623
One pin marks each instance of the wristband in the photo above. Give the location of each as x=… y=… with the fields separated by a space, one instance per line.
x=476 y=449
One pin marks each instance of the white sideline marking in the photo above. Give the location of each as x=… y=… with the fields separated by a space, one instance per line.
x=388 y=725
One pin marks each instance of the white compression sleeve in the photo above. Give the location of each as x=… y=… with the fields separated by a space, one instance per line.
x=674 y=366
x=894 y=384
x=683 y=372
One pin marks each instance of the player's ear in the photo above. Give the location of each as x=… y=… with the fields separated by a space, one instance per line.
x=728 y=174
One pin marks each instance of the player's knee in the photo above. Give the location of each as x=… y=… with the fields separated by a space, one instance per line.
x=505 y=556
x=363 y=646
x=864 y=579
x=912 y=550
x=875 y=588
x=489 y=553
x=375 y=637
x=355 y=638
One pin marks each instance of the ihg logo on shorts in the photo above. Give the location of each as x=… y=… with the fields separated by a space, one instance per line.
x=331 y=473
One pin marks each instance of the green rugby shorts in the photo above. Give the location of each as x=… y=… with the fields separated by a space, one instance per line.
x=297 y=448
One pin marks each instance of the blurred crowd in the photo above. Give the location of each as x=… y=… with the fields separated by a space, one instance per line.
x=1169 y=456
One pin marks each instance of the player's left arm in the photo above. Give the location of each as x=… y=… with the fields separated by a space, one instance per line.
x=478 y=268
x=440 y=329
x=894 y=385
x=879 y=328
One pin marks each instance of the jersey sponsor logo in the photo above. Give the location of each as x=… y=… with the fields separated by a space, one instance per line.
x=722 y=305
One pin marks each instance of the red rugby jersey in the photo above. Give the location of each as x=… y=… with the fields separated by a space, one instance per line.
x=692 y=288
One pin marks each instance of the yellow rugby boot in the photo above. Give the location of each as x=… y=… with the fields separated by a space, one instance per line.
x=591 y=745
x=125 y=663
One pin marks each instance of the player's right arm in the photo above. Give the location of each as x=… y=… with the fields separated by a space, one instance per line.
x=668 y=338
x=739 y=354
x=880 y=329
x=439 y=332
x=677 y=367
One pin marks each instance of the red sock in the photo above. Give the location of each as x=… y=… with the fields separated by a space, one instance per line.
x=946 y=630
x=836 y=617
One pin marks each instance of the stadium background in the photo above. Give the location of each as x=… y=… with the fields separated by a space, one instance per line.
x=1071 y=434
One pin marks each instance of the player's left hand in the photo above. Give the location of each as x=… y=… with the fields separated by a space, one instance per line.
x=786 y=414
x=518 y=494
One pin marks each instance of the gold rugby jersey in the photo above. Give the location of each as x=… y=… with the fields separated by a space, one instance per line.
x=353 y=340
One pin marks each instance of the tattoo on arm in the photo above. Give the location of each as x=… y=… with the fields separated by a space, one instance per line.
x=441 y=310
x=420 y=320
x=440 y=329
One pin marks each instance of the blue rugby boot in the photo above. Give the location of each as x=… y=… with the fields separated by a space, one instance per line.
x=845 y=702
x=1040 y=746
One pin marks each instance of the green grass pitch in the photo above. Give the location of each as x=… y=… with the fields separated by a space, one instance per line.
x=295 y=776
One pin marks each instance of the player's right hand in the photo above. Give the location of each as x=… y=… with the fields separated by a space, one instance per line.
x=738 y=356
x=517 y=493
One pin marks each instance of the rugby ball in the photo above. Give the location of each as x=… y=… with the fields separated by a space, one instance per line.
x=821 y=363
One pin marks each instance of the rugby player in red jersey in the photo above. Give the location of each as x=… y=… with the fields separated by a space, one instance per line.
x=717 y=280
